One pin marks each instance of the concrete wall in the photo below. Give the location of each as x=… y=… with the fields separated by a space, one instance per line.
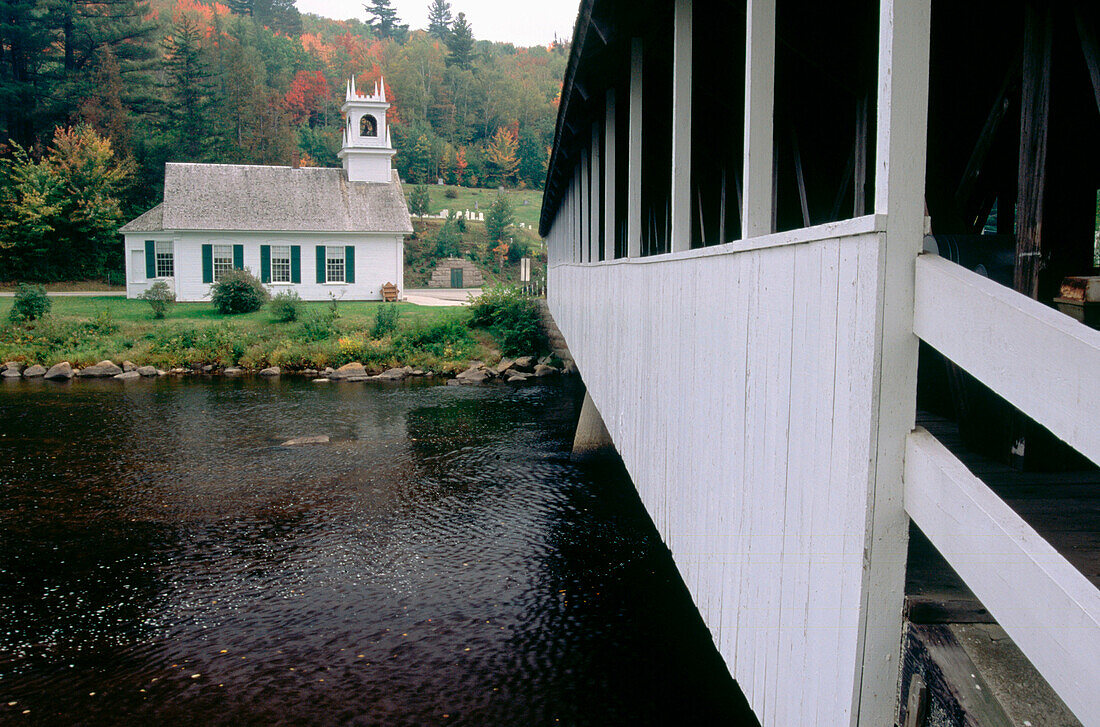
x=378 y=259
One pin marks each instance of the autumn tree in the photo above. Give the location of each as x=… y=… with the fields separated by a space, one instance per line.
x=62 y=213
x=500 y=155
x=460 y=164
x=439 y=19
x=306 y=96
x=420 y=165
x=460 y=43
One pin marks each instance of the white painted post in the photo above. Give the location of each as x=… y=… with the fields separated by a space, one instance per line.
x=594 y=196
x=634 y=159
x=756 y=210
x=904 y=28
x=681 y=126
x=609 y=177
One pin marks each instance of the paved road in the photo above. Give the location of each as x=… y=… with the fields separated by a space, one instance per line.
x=420 y=296
x=76 y=294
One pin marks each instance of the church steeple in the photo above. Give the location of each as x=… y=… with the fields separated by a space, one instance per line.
x=367 y=149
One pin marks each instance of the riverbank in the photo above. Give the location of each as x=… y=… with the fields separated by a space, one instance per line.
x=194 y=337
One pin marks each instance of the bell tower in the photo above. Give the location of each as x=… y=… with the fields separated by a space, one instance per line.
x=367 y=150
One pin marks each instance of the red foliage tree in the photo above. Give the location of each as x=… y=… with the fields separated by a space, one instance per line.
x=307 y=92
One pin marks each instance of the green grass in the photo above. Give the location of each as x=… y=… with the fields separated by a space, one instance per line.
x=466 y=197
x=85 y=330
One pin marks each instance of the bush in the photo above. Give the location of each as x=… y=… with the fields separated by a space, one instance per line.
x=317 y=327
x=286 y=307
x=160 y=296
x=447 y=339
x=513 y=319
x=239 y=291
x=31 y=303
x=450 y=193
x=385 y=320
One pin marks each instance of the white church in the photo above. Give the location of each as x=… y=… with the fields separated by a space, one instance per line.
x=311 y=230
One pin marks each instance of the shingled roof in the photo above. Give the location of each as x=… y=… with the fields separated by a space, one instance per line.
x=245 y=197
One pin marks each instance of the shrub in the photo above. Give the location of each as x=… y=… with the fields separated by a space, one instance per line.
x=450 y=193
x=239 y=291
x=160 y=296
x=512 y=317
x=385 y=320
x=286 y=307
x=317 y=327
x=31 y=303
x=447 y=338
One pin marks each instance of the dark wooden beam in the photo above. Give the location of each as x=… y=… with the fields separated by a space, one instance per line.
x=1086 y=30
x=977 y=162
x=1032 y=165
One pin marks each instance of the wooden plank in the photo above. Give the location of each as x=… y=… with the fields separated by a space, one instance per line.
x=1032 y=170
x=1002 y=339
x=1046 y=605
x=801 y=180
x=609 y=176
x=1086 y=31
x=901 y=140
x=757 y=205
x=681 y=126
x=634 y=154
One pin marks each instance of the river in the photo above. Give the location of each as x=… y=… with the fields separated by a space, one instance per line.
x=166 y=559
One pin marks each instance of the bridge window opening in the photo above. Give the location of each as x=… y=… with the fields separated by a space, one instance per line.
x=622 y=153
x=656 y=220
x=717 y=121
x=368 y=126
x=825 y=96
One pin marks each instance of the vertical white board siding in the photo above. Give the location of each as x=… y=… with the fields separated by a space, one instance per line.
x=739 y=389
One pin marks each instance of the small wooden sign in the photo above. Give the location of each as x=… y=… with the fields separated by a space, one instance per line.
x=389 y=292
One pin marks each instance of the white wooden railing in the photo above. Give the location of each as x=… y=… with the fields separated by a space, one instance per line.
x=1047 y=365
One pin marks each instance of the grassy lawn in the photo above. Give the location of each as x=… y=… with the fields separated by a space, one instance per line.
x=86 y=330
x=466 y=198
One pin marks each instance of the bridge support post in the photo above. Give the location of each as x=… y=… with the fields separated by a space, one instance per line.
x=592 y=440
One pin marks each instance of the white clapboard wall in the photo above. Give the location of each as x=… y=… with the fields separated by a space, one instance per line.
x=738 y=383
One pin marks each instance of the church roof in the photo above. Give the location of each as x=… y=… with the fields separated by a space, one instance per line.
x=151 y=221
x=269 y=199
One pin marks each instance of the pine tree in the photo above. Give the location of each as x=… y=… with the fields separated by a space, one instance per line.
x=532 y=159
x=188 y=78
x=420 y=166
x=499 y=219
x=439 y=19
x=419 y=200
x=384 y=20
x=460 y=43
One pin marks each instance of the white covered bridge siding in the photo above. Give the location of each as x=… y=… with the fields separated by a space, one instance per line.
x=735 y=276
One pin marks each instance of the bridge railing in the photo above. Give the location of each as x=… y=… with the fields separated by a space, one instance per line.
x=1047 y=365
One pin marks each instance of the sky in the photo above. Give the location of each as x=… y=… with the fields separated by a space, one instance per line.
x=522 y=22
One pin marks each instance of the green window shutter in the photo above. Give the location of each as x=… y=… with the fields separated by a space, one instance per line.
x=349 y=264
x=208 y=263
x=238 y=257
x=320 y=263
x=265 y=263
x=295 y=263
x=150 y=259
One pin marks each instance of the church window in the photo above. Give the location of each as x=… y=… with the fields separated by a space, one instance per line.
x=165 y=267
x=223 y=261
x=280 y=263
x=334 y=264
x=368 y=126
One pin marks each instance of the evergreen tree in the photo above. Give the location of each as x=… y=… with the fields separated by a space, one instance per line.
x=439 y=19
x=189 y=88
x=460 y=43
x=532 y=159
x=499 y=219
x=384 y=20
x=419 y=200
x=420 y=166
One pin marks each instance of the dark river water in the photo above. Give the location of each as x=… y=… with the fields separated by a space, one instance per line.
x=166 y=560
